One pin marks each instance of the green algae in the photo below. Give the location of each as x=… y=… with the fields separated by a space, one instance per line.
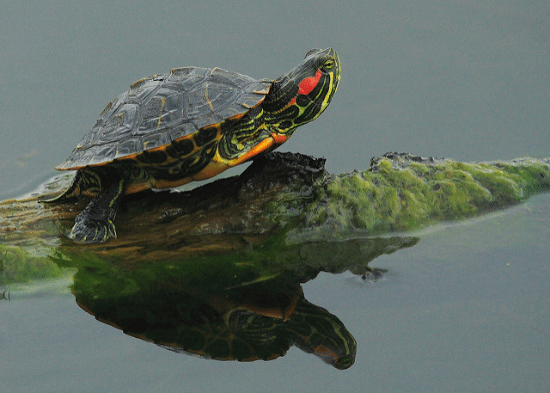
x=400 y=192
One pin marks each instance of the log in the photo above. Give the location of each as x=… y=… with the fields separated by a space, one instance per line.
x=281 y=199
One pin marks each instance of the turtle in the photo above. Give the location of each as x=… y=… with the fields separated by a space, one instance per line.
x=189 y=124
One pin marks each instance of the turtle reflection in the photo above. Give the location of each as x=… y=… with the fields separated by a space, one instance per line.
x=246 y=305
x=260 y=322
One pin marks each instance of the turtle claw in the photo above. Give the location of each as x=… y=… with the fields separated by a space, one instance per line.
x=92 y=231
x=95 y=223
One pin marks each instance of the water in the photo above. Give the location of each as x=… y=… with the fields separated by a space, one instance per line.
x=464 y=310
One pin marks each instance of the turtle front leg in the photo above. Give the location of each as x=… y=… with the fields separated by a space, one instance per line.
x=95 y=223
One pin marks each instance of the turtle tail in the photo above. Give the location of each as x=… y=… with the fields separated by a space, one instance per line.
x=71 y=193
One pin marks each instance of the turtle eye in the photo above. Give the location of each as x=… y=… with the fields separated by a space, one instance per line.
x=329 y=64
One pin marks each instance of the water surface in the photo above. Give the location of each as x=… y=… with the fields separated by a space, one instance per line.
x=463 y=310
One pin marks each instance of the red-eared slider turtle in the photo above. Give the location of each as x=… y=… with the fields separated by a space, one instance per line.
x=189 y=124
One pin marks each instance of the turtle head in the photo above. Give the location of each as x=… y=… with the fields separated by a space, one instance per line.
x=304 y=93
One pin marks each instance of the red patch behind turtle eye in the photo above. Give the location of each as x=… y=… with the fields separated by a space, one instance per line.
x=308 y=84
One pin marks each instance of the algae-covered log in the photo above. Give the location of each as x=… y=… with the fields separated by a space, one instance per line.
x=398 y=192
x=285 y=196
x=401 y=192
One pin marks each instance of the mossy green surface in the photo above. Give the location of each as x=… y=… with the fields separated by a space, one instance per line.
x=403 y=192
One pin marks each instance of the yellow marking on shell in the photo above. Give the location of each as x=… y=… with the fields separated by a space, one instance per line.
x=216 y=166
x=163 y=100
x=206 y=96
x=138 y=82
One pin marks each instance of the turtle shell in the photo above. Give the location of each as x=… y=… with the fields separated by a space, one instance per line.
x=165 y=108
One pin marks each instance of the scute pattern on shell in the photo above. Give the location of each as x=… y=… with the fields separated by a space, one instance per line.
x=164 y=108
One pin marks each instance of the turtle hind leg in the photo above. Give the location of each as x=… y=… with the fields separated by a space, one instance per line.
x=95 y=224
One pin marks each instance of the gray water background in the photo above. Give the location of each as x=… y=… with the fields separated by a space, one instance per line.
x=464 y=310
